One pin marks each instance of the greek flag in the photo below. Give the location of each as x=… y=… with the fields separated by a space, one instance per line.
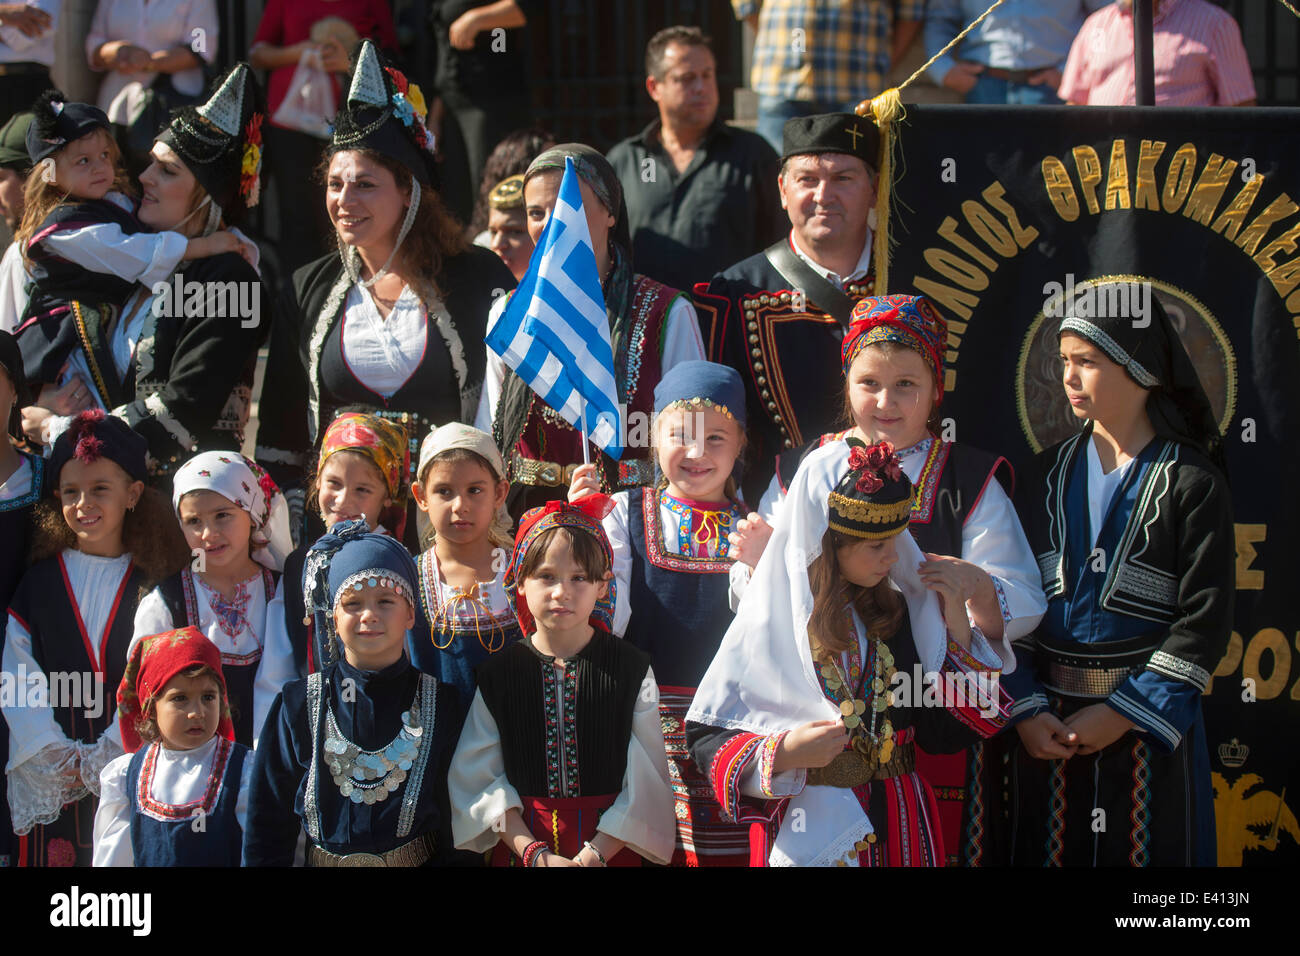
x=554 y=332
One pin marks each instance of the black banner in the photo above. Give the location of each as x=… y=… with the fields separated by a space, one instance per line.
x=998 y=212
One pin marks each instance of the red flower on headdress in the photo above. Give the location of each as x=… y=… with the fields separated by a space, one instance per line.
x=894 y=470
x=400 y=82
x=869 y=482
x=878 y=455
x=88 y=447
x=268 y=486
x=858 y=457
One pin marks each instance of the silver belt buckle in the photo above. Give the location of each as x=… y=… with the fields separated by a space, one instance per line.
x=362 y=859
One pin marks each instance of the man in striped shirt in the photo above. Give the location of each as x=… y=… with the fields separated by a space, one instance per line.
x=1199 y=58
x=815 y=57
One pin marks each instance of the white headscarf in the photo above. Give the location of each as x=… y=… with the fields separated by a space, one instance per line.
x=245 y=483
x=763 y=680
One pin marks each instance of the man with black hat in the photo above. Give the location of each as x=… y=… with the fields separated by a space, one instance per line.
x=14 y=163
x=779 y=316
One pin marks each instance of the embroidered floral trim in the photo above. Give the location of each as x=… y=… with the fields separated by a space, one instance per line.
x=927 y=482
x=572 y=785
x=656 y=550
x=765 y=761
x=167 y=420
x=551 y=713
x=1002 y=599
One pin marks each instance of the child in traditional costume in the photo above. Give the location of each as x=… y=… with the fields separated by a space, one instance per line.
x=1131 y=522
x=672 y=559
x=461 y=489
x=236 y=523
x=962 y=520
x=80 y=236
x=356 y=754
x=96 y=552
x=814 y=702
x=360 y=474
x=562 y=761
x=181 y=762
x=22 y=480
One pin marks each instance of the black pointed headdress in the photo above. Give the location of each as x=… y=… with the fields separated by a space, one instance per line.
x=220 y=141
x=385 y=112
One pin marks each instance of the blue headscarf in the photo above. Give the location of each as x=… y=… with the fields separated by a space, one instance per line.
x=702 y=384
x=350 y=556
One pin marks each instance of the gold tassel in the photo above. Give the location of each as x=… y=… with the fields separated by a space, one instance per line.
x=885 y=110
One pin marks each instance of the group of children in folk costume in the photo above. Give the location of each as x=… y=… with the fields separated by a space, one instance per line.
x=763 y=725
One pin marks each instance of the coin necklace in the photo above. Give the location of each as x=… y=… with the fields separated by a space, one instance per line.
x=369 y=776
x=853 y=705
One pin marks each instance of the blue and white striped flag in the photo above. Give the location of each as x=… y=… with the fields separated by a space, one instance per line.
x=554 y=332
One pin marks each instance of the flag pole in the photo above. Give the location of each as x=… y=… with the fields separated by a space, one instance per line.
x=1144 y=52
x=582 y=418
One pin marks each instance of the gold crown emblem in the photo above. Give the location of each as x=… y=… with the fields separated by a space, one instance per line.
x=1233 y=754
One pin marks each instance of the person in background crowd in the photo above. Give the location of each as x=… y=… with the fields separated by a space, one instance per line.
x=14 y=164
x=481 y=87
x=507 y=232
x=283 y=35
x=26 y=52
x=392 y=322
x=700 y=194
x=838 y=57
x=1015 y=56
x=508 y=158
x=136 y=41
x=1199 y=59
x=787 y=346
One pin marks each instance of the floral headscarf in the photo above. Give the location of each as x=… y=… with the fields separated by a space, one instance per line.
x=248 y=486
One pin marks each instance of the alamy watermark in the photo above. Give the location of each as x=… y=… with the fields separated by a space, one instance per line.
x=178 y=298
x=1091 y=299
x=61 y=690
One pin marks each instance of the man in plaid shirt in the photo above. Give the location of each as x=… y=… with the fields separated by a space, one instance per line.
x=823 y=56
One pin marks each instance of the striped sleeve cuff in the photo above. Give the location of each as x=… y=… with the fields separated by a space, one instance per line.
x=974 y=694
x=727 y=768
x=1167 y=665
x=1136 y=709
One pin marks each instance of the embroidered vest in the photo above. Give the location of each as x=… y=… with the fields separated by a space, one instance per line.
x=46 y=603
x=164 y=834
x=180 y=594
x=679 y=603
x=585 y=752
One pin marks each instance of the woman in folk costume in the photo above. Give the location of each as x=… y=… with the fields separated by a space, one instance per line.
x=1131 y=522
x=815 y=701
x=236 y=523
x=99 y=545
x=962 y=520
x=561 y=761
x=178 y=366
x=357 y=753
x=460 y=487
x=671 y=567
x=652 y=328
x=181 y=762
x=392 y=323
x=360 y=474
